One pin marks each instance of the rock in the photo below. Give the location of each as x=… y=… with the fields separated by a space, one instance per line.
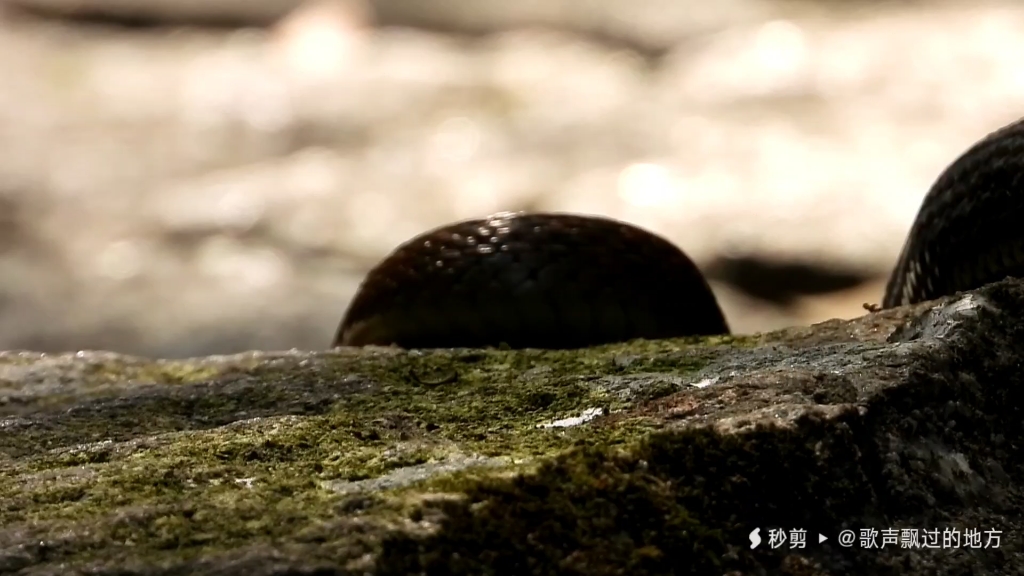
x=651 y=457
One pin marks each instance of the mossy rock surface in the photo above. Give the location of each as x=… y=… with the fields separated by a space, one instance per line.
x=639 y=458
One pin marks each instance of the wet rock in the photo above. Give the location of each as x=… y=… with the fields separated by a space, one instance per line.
x=650 y=457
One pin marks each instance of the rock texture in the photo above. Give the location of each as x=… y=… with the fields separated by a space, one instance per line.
x=650 y=457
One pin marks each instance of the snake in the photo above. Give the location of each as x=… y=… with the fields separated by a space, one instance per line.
x=565 y=281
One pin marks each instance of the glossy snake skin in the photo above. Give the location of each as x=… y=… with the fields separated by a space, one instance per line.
x=566 y=281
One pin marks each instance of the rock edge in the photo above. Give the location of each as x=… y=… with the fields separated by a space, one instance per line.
x=653 y=457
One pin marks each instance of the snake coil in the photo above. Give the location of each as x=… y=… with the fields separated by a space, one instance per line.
x=568 y=281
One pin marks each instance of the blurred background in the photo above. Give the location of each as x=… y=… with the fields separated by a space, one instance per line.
x=190 y=177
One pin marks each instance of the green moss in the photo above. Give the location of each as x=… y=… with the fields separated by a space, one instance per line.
x=187 y=465
x=665 y=503
x=101 y=371
x=586 y=511
x=265 y=460
x=162 y=373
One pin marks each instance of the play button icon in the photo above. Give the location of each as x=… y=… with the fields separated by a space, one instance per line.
x=821 y=538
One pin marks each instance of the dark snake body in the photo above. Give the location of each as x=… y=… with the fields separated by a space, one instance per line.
x=569 y=281
x=968 y=232
x=531 y=281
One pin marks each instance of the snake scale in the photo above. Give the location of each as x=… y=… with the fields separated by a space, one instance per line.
x=562 y=281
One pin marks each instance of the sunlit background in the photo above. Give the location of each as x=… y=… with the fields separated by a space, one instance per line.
x=183 y=178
